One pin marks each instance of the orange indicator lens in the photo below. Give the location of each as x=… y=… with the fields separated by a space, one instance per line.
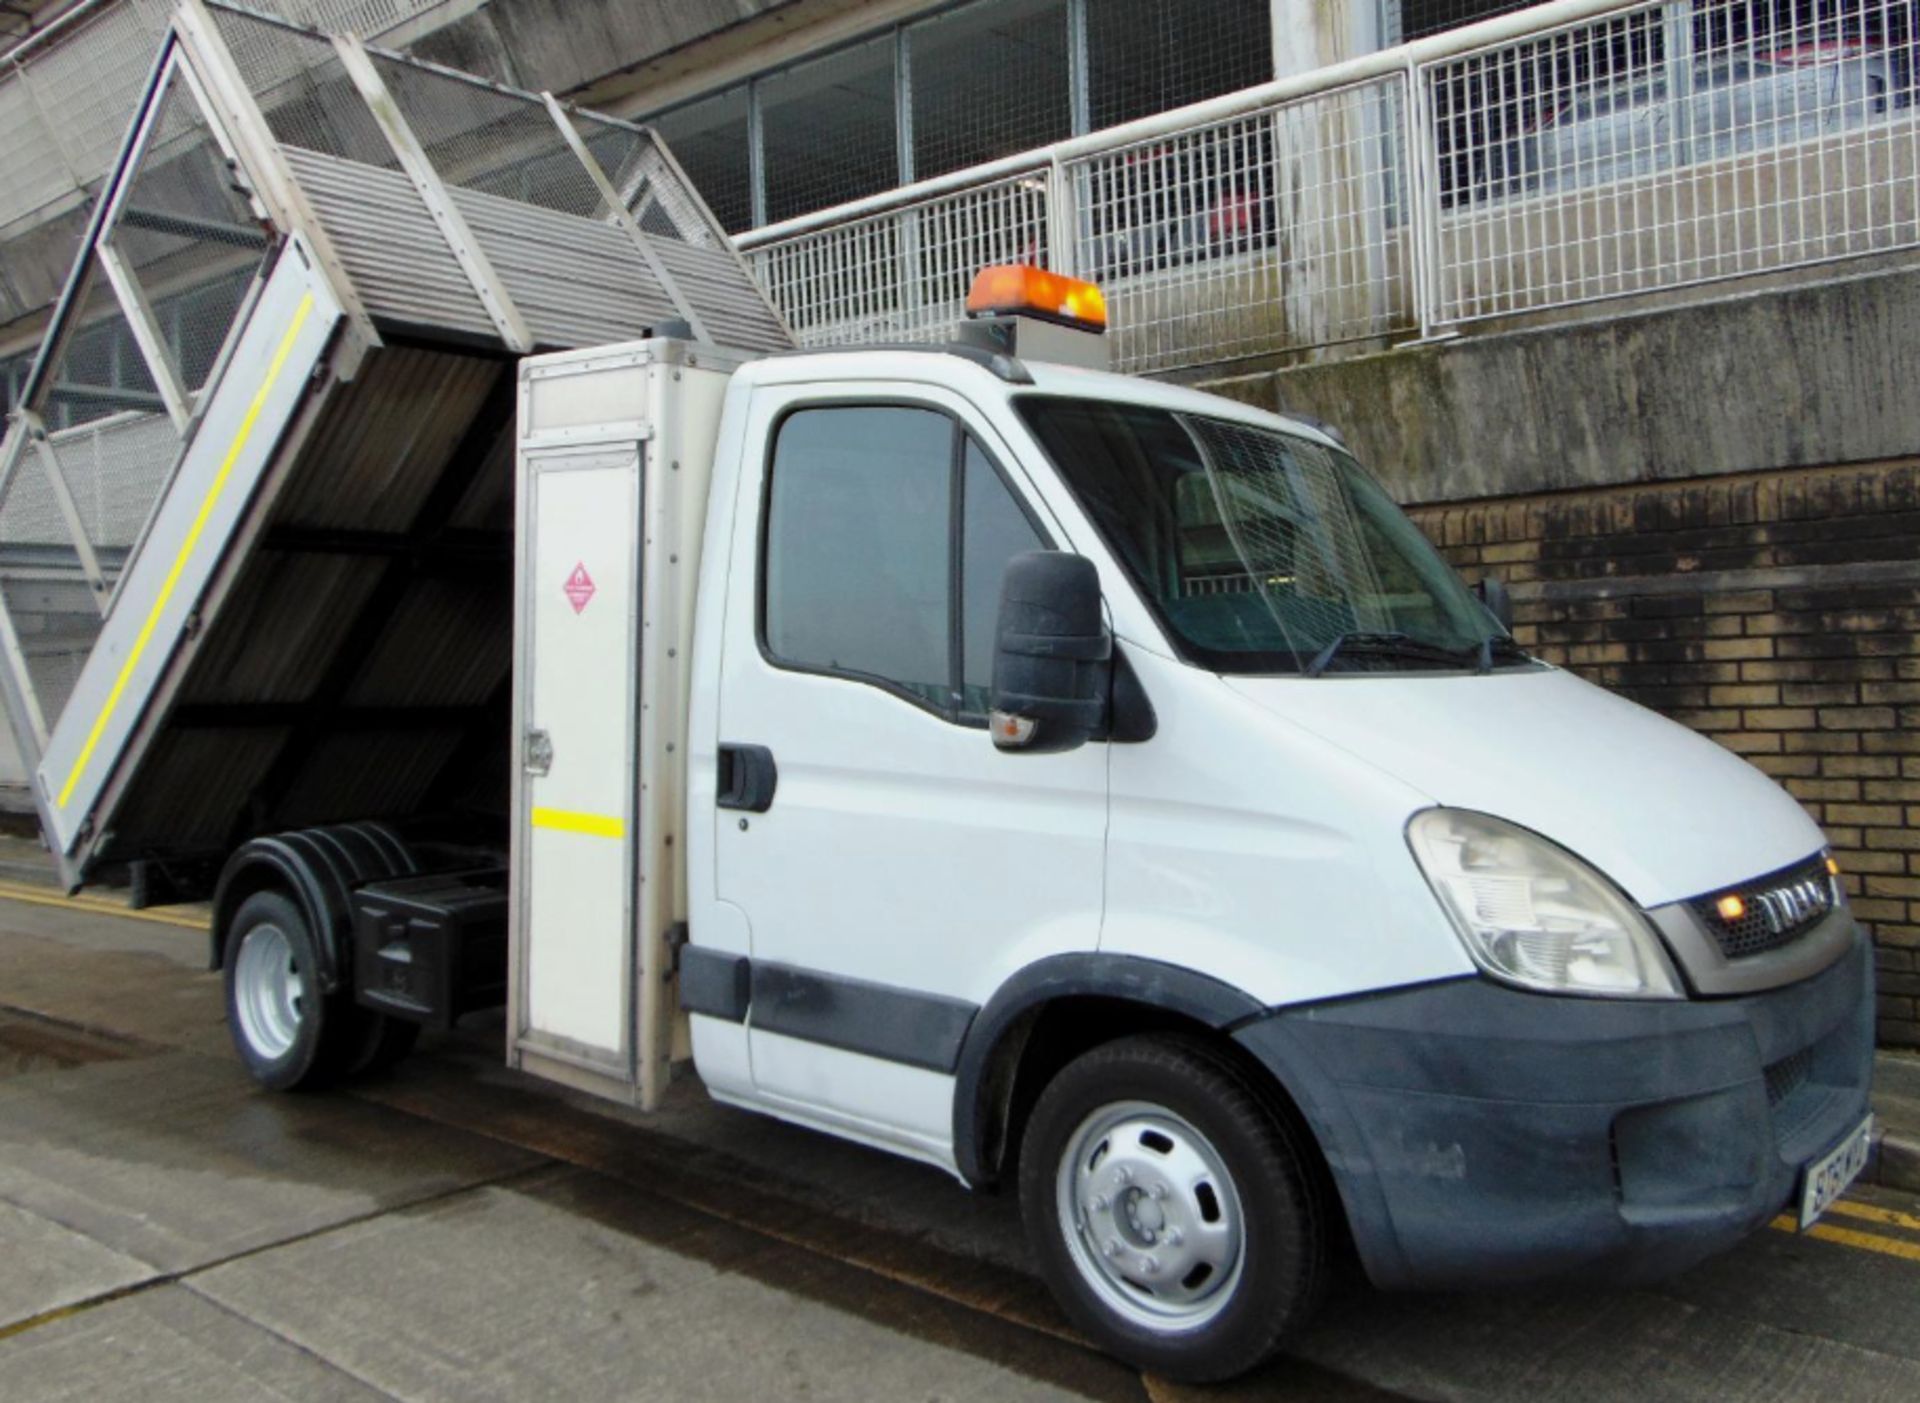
x=1731 y=908
x=1016 y=287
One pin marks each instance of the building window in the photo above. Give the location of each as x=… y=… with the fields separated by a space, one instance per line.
x=709 y=139
x=829 y=130
x=970 y=84
x=1147 y=56
x=987 y=80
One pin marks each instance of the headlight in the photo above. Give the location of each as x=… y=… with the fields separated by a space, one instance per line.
x=1535 y=915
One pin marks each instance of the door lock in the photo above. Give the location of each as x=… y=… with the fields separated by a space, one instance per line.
x=537 y=754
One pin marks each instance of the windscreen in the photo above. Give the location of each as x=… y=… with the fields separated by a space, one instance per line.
x=1261 y=551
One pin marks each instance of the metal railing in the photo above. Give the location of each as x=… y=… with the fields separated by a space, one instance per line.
x=1564 y=154
x=66 y=93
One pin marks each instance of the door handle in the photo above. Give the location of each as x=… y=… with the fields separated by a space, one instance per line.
x=747 y=778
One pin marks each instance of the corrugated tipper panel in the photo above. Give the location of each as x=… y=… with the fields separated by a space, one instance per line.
x=577 y=282
x=392 y=249
x=735 y=312
x=358 y=667
x=375 y=457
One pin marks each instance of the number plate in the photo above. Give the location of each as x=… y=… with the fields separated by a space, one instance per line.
x=1829 y=1176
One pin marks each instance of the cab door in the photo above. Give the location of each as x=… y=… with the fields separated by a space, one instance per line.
x=892 y=866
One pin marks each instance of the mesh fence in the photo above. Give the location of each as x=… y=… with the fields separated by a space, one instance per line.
x=641 y=173
x=1283 y=228
x=65 y=104
x=903 y=276
x=987 y=81
x=189 y=237
x=1671 y=145
x=113 y=469
x=482 y=138
x=829 y=130
x=101 y=371
x=303 y=90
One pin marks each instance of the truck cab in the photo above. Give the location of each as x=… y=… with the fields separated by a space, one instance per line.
x=1099 y=788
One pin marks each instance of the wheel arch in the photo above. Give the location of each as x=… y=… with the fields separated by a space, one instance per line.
x=317 y=869
x=1057 y=1008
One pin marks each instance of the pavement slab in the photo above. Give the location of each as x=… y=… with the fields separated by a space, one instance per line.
x=178 y=1160
x=166 y=1345
x=141 y=979
x=49 y=1267
x=1646 y=1346
x=616 y=1295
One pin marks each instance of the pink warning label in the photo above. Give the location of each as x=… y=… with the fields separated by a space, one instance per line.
x=579 y=587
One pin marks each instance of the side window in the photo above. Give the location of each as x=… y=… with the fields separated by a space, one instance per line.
x=993 y=530
x=887 y=530
x=856 y=554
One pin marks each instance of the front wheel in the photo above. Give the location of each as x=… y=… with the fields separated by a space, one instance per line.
x=1174 y=1211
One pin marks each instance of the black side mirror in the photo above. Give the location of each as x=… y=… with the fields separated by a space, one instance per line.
x=1493 y=593
x=1052 y=655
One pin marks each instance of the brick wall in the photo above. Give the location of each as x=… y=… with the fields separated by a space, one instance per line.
x=1777 y=613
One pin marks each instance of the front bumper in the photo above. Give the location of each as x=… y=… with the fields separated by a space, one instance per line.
x=1480 y=1135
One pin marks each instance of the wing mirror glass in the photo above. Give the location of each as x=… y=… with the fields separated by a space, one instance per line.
x=1052 y=655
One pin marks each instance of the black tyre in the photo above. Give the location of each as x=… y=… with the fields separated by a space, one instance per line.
x=289 y=1034
x=1176 y=1214
x=380 y=1042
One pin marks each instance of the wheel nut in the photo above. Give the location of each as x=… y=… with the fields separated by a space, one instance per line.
x=1113 y=1247
x=1148 y=1266
x=1099 y=1203
x=1159 y=1191
x=1174 y=1237
x=1123 y=1175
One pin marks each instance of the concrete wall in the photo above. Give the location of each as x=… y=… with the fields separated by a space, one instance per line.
x=1812 y=375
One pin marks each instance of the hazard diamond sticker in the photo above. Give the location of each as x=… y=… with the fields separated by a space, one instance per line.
x=579 y=587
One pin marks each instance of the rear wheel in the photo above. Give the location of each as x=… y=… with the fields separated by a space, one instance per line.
x=383 y=1041
x=287 y=1032
x=1174 y=1211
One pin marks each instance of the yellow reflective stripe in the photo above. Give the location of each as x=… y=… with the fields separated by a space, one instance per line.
x=167 y=586
x=568 y=821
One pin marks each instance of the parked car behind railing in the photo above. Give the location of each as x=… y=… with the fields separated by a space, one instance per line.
x=1160 y=206
x=1751 y=99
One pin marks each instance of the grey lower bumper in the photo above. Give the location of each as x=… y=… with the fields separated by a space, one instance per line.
x=1480 y=1135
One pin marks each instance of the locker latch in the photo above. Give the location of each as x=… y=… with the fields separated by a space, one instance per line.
x=538 y=756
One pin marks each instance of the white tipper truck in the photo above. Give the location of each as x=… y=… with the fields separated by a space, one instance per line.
x=1083 y=784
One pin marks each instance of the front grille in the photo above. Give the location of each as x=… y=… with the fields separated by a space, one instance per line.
x=1779 y=908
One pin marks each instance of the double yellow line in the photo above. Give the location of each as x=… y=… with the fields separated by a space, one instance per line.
x=1827 y=1231
x=32 y=895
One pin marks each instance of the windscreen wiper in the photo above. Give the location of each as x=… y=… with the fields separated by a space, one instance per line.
x=1383 y=644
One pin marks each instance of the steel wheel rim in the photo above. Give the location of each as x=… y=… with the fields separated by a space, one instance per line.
x=1151 y=1217
x=269 y=994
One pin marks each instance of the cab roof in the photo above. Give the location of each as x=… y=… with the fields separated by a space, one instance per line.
x=955 y=363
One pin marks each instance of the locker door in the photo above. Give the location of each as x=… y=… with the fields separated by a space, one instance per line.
x=575 y=819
